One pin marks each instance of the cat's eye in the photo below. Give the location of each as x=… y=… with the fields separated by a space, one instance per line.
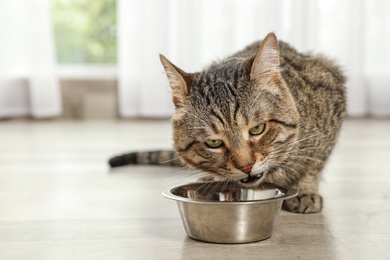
x=214 y=143
x=257 y=129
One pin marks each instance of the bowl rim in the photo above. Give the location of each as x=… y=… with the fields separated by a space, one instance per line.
x=287 y=193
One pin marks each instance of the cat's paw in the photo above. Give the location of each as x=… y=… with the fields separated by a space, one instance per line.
x=304 y=203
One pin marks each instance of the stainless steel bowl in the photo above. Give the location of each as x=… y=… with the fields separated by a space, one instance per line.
x=221 y=212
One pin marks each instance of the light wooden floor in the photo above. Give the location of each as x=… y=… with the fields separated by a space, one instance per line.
x=59 y=200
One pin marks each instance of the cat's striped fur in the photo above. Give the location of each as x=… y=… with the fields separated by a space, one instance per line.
x=159 y=157
x=296 y=100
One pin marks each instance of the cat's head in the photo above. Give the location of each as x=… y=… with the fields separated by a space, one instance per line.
x=237 y=119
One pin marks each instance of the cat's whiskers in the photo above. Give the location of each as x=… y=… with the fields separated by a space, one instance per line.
x=296 y=151
x=291 y=166
x=171 y=160
x=304 y=167
x=262 y=185
x=285 y=167
x=208 y=183
x=184 y=175
x=289 y=144
x=277 y=153
x=213 y=189
x=291 y=169
x=227 y=182
x=185 y=171
x=295 y=163
x=306 y=158
x=291 y=155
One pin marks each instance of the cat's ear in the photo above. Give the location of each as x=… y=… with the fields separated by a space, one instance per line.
x=178 y=81
x=265 y=66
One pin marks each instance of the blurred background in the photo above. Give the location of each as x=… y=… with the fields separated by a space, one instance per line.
x=82 y=59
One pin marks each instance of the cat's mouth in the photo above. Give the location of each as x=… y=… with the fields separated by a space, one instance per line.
x=252 y=178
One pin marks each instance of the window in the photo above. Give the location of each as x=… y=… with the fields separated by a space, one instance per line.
x=85 y=31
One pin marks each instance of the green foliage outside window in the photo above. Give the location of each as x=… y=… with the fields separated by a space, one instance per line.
x=85 y=31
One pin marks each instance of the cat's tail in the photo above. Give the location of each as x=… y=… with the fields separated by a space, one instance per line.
x=163 y=157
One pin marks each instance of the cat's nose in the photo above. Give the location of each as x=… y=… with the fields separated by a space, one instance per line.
x=247 y=169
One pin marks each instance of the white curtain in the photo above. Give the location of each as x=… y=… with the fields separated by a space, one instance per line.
x=28 y=86
x=193 y=33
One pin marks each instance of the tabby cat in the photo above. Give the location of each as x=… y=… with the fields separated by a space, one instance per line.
x=265 y=114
